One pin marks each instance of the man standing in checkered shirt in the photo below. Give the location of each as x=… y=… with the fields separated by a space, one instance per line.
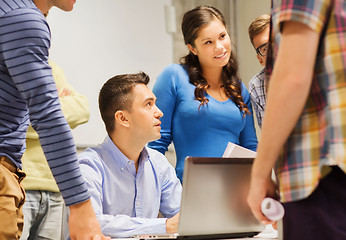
x=304 y=129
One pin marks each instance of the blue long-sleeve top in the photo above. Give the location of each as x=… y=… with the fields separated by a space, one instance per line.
x=204 y=132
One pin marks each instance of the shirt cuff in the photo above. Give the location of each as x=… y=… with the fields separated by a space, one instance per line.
x=158 y=226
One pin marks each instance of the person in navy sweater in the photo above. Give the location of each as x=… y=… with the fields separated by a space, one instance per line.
x=28 y=94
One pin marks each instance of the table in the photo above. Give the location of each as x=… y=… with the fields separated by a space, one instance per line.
x=268 y=234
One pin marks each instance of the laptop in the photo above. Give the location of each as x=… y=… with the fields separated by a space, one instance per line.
x=214 y=204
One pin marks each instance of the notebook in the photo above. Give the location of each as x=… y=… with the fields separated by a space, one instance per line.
x=213 y=204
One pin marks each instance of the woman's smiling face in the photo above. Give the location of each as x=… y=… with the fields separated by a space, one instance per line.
x=212 y=45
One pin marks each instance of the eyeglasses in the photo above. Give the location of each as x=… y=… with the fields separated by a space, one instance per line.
x=262 y=50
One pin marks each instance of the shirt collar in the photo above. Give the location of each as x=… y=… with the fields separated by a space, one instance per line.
x=121 y=161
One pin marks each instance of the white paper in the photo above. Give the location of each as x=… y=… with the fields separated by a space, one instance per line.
x=236 y=151
x=268 y=233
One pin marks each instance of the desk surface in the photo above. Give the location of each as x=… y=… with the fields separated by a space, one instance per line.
x=255 y=238
x=268 y=234
x=265 y=235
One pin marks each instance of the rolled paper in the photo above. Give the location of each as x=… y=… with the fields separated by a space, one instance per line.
x=272 y=209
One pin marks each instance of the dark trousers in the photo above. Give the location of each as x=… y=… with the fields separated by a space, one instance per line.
x=320 y=216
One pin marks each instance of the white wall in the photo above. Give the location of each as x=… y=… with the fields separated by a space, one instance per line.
x=102 y=38
x=247 y=11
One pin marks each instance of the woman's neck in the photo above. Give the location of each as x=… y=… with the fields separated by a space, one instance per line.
x=213 y=77
x=216 y=90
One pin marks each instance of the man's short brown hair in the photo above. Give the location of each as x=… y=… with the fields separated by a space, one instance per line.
x=117 y=94
x=258 y=25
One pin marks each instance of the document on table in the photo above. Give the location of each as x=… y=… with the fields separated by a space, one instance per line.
x=236 y=151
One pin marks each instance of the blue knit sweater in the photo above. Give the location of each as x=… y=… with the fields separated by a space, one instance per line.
x=194 y=132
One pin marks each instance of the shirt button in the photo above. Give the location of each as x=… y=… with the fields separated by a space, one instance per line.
x=122 y=169
x=137 y=203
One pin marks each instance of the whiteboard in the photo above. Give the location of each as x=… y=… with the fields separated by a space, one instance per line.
x=103 y=38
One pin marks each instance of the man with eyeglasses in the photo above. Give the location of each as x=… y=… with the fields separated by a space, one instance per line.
x=259 y=35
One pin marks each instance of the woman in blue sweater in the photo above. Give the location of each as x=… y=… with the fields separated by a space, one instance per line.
x=204 y=102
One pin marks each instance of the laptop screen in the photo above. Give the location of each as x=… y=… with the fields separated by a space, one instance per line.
x=214 y=197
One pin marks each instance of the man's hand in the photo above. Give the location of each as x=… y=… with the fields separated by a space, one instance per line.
x=83 y=223
x=259 y=189
x=172 y=224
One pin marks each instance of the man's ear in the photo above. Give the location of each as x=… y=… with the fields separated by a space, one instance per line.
x=121 y=118
x=192 y=49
